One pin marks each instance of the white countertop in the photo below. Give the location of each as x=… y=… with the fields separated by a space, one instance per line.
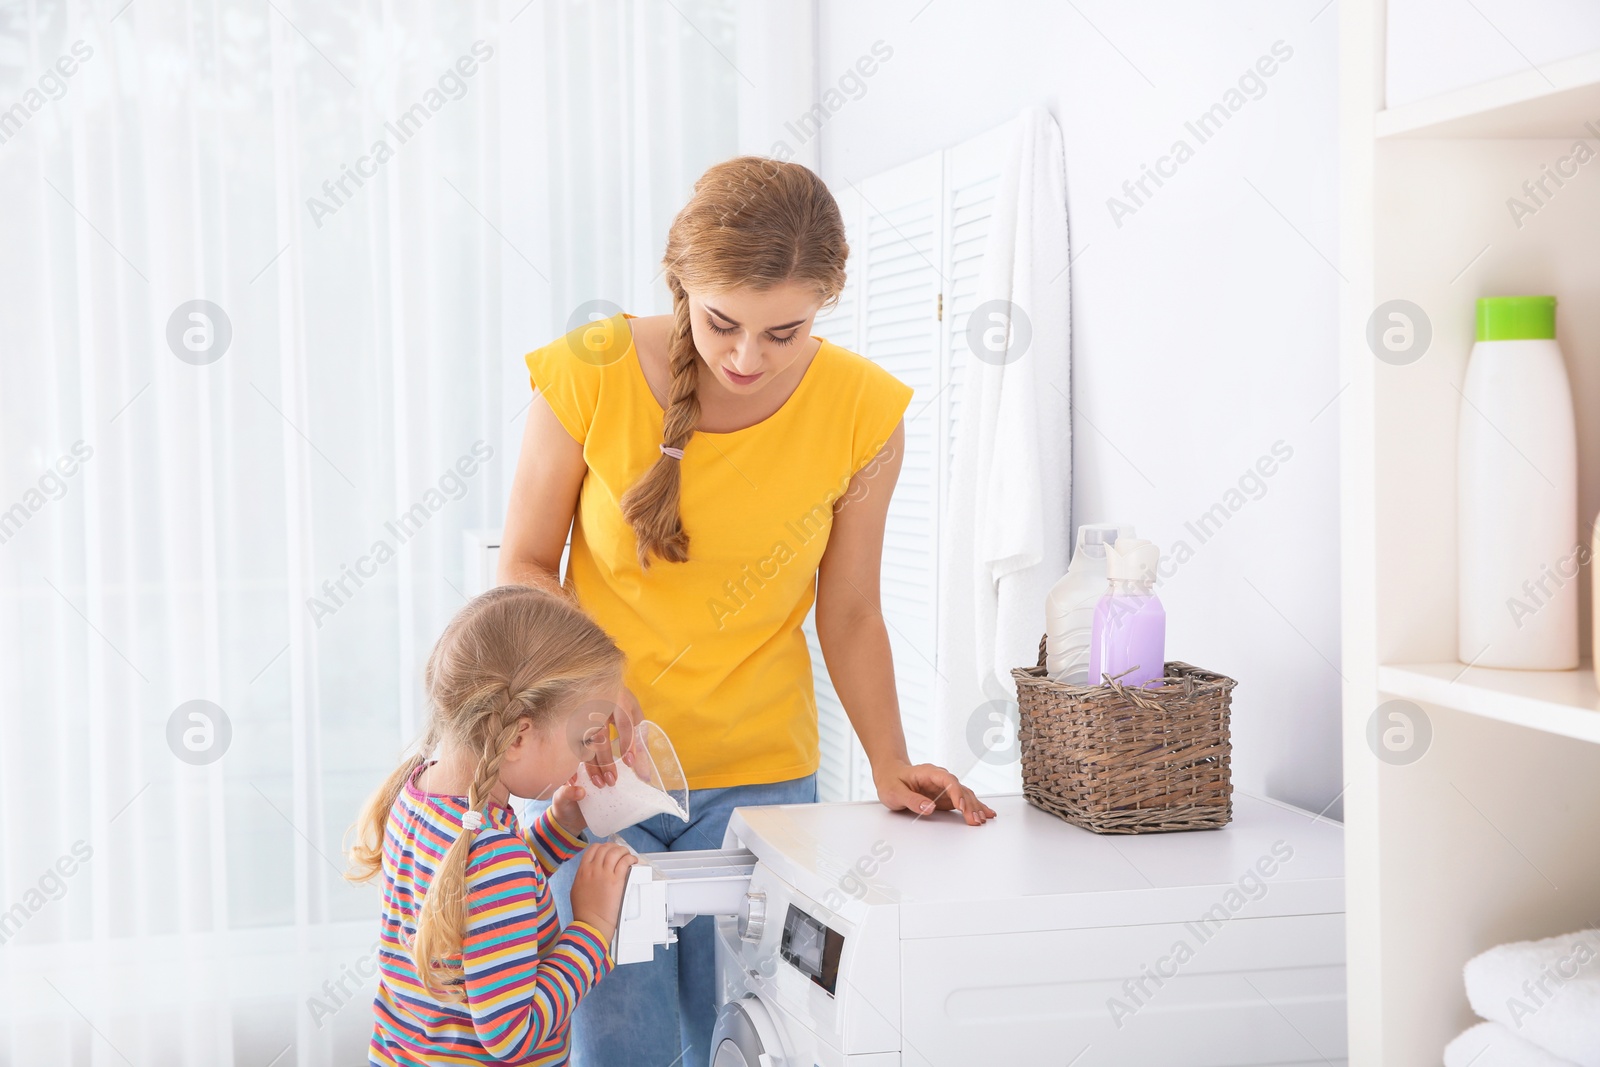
x=1027 y=869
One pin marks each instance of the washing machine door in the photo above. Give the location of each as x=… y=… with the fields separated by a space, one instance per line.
x=746 y=1035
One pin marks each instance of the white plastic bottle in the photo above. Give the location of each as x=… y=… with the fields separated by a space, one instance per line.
x=1517 y=494
x=1069 y=607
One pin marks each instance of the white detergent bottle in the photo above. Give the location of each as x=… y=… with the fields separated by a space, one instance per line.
x=1517 y=493
x=1069 y=607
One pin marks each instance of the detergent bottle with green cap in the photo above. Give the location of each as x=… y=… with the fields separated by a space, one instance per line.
x=1517 y=493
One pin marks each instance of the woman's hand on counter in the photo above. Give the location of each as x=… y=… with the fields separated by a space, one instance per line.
x=925 y=788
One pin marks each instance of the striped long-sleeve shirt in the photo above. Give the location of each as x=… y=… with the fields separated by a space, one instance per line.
x=523 y=973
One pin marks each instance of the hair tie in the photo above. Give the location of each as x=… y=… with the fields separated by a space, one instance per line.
x=675 y=453
x=472 y=820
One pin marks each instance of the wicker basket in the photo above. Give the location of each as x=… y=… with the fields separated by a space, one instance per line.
x=1120 y=760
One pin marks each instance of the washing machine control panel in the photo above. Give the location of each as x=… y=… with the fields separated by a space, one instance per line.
x=812 y=947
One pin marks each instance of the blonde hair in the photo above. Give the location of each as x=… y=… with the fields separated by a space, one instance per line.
x=516 y=652
x=751 y=222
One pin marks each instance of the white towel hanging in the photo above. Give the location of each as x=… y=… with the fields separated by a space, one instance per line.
x=1006 y=533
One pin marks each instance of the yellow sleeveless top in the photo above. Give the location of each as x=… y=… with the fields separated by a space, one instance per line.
x=716 y=654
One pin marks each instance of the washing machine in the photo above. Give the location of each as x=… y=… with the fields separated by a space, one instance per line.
x=849 y=935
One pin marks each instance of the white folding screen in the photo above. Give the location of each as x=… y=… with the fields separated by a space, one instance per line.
x=917 y=234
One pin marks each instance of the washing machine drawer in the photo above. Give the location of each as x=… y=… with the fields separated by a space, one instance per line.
x=1242 y=993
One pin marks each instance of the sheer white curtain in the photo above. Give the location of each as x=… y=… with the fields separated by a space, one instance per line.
x=230 y=530
x=644 y=99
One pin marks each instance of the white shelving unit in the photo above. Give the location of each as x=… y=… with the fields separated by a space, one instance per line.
x=1563 y=703
x=1551 y=100
x=1488 y=836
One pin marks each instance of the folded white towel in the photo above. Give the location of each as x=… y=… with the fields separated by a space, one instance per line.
x=1546 y=992
x=1492 y=1045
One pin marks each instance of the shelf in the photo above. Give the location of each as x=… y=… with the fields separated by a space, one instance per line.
x=1565 y=703
x=1554 y=100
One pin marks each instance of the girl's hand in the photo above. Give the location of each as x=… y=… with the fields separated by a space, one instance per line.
x=598 y=886
x=564 y=806
x=925 y=788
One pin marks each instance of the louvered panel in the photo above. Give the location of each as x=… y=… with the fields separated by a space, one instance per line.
x=838 y=323
x=899 y=329
x=916 y=233
x=840 y=751
x=972 y=180
x=970 y=208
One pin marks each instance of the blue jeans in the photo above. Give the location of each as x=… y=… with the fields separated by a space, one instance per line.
x=663 y=1011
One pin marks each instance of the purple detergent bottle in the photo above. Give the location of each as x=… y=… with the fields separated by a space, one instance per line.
x=1130 y=626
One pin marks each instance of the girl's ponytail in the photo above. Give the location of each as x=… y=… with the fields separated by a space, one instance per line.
x=442 y=918
x=366 y=853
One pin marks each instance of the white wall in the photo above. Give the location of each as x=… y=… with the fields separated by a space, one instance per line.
x=1203 y=323
x=1434 y=46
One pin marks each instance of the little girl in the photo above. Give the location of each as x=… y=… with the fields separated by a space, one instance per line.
x=474 y=966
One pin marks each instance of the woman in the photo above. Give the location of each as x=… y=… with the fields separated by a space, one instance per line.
x=720 y=468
